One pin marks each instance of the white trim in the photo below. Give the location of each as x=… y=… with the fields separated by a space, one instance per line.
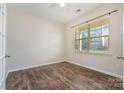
x=123 y=46
x=1 y=82
x=2 y=57
x=33 y=66
x=3 y=29
x=2 y=87
x=99 y=70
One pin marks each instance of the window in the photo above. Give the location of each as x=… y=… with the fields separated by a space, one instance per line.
x=93 y=37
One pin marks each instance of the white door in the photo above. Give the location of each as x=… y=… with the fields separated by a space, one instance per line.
x=2 y=45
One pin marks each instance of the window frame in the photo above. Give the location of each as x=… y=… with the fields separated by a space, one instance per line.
x=88 y=50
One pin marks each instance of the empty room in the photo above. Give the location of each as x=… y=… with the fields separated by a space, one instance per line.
x=61 y=46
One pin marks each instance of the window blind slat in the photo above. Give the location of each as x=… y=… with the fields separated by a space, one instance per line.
x=99 y=23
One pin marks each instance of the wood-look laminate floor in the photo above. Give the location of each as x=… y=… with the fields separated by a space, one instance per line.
x=60 y=76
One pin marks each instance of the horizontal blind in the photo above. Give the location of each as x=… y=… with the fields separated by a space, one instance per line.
x=95 y=24
x=99 y=23
x=87 y=33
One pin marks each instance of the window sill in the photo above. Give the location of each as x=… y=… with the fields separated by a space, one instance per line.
x=101 y=53
x=95 y=52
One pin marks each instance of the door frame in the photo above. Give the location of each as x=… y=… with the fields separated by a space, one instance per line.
x=3 y=26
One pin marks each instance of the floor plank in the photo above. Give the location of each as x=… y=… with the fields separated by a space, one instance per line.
x=61 y=76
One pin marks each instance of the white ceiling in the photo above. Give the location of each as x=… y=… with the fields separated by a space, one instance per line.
x=54 y=11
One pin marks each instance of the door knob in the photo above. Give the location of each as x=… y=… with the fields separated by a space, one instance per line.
x=7 y=56
x=120 y=57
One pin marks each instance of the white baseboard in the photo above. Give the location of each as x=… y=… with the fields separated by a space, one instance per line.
x=99 y=70
x=32 y=66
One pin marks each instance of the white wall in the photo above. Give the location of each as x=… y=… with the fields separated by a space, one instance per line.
x=32 y=40
x=105 y=63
